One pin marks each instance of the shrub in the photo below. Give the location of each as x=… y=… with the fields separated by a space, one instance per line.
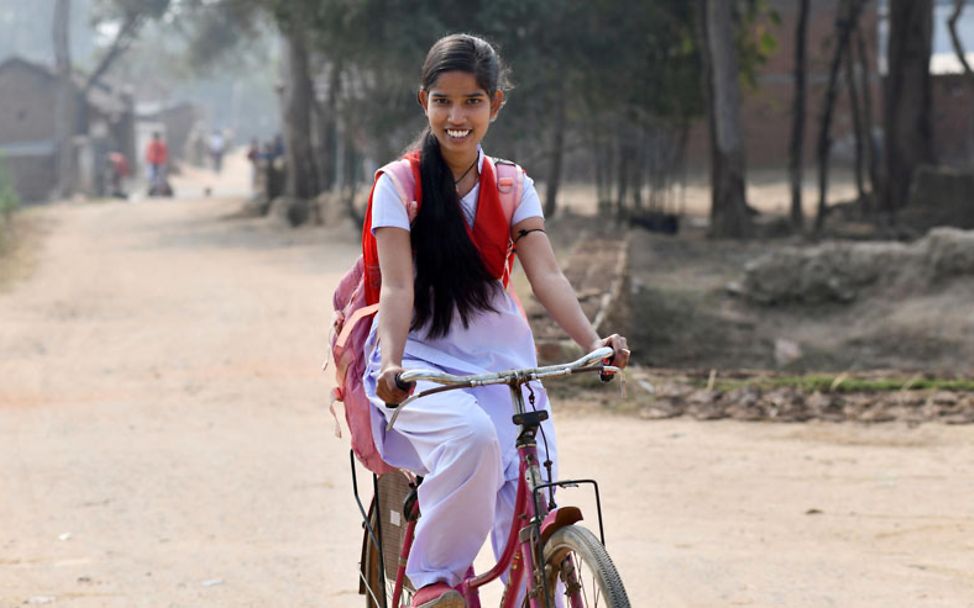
x=8 y=197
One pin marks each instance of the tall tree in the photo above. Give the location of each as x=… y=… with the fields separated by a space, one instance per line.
x=855 y=107
x=129 y=16
x=796 y=153
x=66 y=99
x=845 y=23
x=907 y=96
x=298 y=105
x=872 y=151
x=729 y=215
x=955 y=40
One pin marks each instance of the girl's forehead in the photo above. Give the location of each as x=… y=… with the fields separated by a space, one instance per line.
x=456 y=83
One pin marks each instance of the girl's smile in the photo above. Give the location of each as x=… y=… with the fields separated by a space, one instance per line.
x=459 y=113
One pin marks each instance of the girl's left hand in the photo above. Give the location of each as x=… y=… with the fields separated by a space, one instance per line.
x=620 y=348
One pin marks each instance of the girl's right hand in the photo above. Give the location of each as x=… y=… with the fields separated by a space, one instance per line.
x=388 y=389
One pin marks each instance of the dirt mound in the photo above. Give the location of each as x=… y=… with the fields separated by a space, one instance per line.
x=842 y=271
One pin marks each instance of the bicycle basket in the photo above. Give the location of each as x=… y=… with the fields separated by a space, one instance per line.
x=393 y=490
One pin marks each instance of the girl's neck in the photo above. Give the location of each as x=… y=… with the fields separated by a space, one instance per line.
x=459 y=164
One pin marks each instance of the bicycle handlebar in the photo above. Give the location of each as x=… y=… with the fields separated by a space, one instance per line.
x=591 y=362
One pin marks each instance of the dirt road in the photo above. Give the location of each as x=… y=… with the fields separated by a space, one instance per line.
x=164 y=442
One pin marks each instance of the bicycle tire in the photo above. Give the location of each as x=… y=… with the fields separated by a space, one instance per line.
x=373 y=578
x=374 y=584
x=572 y=549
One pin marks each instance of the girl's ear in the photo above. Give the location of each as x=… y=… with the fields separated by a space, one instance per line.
x=423 y=98
x=496 y=103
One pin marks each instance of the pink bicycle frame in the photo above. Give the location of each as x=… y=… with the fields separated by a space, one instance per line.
x=519 y=551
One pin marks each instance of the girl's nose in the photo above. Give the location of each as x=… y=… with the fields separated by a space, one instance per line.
x=456 y=114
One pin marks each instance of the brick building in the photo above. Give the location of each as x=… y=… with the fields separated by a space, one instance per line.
x=28 y=94
x=766 y=109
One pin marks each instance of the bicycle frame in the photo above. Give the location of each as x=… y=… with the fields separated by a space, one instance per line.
x=533 y=519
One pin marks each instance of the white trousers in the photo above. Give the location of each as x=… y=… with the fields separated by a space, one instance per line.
x=463 y=443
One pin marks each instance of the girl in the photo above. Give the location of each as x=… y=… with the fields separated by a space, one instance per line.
x=442 y=306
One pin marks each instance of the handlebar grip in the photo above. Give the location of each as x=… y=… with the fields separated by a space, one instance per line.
x=403 y=386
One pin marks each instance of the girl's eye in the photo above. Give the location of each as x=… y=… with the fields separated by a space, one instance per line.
x=474 y=101
x=440 y=100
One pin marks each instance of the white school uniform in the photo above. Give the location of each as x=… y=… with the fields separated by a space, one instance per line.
x=461 y=441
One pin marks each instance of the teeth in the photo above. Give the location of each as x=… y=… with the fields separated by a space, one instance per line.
x=457 y=134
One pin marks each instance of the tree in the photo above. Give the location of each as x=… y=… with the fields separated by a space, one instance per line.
x=956 y=41
x=298 y=100
x=65 y=120
x=129 y=17
x=796 y=153
x=907 y=97
x=845 y=24
x=729 y=215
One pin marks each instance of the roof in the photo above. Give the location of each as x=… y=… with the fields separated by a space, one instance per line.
x=103 y=97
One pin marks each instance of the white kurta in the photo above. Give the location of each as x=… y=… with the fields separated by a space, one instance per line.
x=461 y=441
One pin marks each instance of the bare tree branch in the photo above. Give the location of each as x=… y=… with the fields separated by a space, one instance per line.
x=123 y=40
x=955 y=39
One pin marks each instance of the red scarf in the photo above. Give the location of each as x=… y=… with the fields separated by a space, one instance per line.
x=491 y=232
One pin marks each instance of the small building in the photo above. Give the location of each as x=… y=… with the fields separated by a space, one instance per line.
x=28 y=95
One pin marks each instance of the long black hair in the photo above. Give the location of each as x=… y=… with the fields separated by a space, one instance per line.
x=450 y=275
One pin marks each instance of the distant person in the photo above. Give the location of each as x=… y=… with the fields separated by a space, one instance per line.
x=118 y=170
x=277 y=147
x=156 y=158
x=217 y=148
x=253 y=156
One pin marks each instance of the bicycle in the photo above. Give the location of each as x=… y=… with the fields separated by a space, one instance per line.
x=559 y=556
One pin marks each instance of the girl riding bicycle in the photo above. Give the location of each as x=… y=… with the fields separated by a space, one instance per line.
x=443 y=306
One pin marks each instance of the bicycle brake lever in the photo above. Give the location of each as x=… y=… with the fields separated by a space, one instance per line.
x=608 y=373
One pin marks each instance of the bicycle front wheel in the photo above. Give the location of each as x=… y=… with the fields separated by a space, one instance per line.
x=578 y=568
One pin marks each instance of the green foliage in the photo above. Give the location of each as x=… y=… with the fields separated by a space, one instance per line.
x=622 y=70
x=755 y=42
x=8 y=196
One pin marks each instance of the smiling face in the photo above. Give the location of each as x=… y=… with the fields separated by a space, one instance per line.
x=459 y=112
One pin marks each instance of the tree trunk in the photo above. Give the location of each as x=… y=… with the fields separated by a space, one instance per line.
x=845 y=22
x=638 y=172
x=557 y=154
x=327 y=130
x=350 y=178
x=298 y=99
x=796 y=155
x=622 y=177
x=728 y=213
x=907 y=97
x=872 y=153
x=66 y=117
x=854 y=107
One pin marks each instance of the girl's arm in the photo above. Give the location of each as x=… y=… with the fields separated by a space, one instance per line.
x=555 y=292
x=395 y=307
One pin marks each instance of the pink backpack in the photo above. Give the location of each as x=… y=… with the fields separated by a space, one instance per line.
x=353 y=316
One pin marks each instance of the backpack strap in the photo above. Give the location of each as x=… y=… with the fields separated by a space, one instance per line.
x=400 y=172
x=510 y=184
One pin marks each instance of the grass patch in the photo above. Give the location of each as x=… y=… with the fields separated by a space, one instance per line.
x=838 y=383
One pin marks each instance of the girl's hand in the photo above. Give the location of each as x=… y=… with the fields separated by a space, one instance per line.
x=388 y=389
x=620 y=348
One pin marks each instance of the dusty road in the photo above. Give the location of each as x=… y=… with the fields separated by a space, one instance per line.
x=164 y=442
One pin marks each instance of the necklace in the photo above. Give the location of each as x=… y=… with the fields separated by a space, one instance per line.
x=456 y=182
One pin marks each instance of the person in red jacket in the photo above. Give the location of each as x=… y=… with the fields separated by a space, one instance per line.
x=156 y=157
